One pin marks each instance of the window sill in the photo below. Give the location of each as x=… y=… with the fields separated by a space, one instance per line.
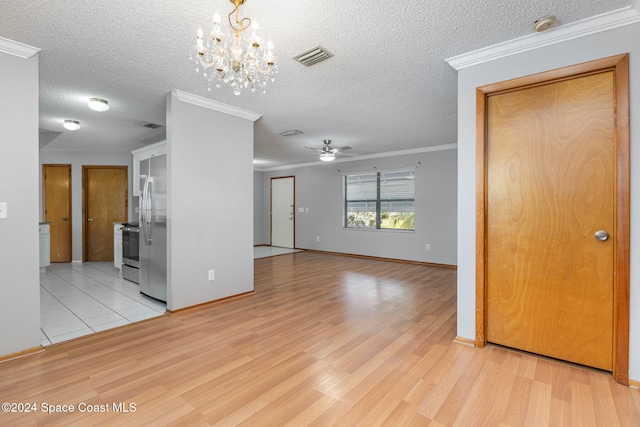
x=378 y=230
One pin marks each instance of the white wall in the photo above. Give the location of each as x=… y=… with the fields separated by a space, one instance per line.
x=19 y=264
x=600 y=45
x=210 y=217
x=320 y=188
x=77 y=159
x=258 y=209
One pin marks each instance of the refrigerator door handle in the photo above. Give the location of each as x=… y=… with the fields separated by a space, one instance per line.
x=149 y=213
x=143 y=201
x=140 y=209
x=143 y=210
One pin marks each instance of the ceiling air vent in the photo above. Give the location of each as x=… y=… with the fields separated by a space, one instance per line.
x=291 y=132
x=313 y=56
x=151 y=126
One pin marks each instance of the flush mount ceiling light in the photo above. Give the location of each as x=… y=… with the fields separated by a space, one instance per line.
x=544 y=23
x=98 y=104
x=71 y=124
x=235 y=57
x=327 y=157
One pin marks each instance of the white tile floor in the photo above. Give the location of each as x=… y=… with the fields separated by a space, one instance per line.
x=80 y=299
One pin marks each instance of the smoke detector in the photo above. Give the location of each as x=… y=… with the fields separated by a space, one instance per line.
x=544 y=23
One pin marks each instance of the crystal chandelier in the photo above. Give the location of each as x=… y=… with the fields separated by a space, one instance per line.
x=236 y=57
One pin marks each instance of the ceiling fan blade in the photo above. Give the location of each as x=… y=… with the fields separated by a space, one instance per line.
x=336 y=151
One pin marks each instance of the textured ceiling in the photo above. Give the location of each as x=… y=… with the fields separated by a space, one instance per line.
x=387 y=88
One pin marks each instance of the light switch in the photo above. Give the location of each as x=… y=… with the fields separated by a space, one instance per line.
x=3 y=210
x=300 y=209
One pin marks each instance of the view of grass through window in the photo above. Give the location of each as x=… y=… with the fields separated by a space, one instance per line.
x=381 y=200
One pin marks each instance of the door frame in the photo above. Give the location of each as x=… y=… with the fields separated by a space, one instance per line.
x=619 y=65
x=84 y=200
x=68 y=166
x=271 y=208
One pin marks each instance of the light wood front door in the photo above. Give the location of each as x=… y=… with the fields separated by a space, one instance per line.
x=105 y=202
x=57 y=209
x=282 y=212
x=551 y=225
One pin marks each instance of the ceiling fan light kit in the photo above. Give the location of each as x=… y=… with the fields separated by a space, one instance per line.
x=235 y=57
x=328 y=153
x=327 y=157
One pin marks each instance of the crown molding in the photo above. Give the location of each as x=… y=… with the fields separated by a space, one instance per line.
x=364 y=157
x=606 y=21
x=18 y=49
x=215 y=105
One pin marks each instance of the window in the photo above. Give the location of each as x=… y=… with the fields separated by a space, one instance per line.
x=381 y=200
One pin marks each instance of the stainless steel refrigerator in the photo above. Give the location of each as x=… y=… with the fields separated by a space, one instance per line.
x=153 y=227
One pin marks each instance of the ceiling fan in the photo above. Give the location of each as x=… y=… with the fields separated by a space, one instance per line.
x=329 y=153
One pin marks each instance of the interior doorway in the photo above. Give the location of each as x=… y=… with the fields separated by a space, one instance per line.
x=553 y=219
x=56 y=185
x=105 y=201
x=282 y=212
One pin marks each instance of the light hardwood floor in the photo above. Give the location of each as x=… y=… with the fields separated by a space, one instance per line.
x=325 y=340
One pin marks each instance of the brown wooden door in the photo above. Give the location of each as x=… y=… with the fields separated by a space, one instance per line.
x=105 y=202
x=550 y=182
x=57 y=209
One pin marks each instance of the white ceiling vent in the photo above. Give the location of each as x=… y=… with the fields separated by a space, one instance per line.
x=313 y=56
x=291 y=132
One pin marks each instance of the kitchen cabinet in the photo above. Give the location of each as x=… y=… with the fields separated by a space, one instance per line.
x=45 y=244
x=117 y=245
x=140 y=155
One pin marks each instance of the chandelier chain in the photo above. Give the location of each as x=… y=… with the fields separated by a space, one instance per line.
x=240 y=25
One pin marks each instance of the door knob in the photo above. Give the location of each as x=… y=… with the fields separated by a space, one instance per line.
x=89 y=219
x=601 y=235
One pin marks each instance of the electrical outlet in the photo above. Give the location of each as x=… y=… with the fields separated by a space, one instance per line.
x=317 y=238
x=212 y=274
x=3 y=210
x=427 y=247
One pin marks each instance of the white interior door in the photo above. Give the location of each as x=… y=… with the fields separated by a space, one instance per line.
x=282 y=212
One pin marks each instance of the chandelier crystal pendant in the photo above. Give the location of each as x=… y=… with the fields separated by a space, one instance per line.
x=236 y=57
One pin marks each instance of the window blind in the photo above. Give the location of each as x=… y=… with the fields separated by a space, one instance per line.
x=380 y=200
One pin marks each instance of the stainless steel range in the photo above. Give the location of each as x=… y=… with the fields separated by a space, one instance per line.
x=130 y=252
